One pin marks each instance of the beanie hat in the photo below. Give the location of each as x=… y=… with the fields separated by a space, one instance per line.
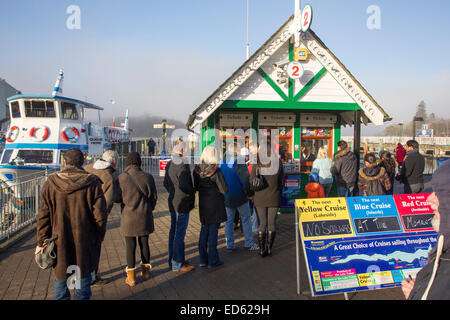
x=133 y=158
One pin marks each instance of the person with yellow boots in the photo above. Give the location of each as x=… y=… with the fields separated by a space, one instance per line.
x=138 y=199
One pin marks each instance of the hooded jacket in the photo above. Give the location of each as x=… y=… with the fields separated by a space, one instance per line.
x=314 y=190
x=107 y=175
x=139 y=196
x=211 y=187
x=344 y=168
x=73 y=207
x=374 y=181
x=433 y=281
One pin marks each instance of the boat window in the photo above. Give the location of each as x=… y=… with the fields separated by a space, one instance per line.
x=69 y=111
x=36 y=156
x=7 y=155
x=40 y=109
x=15 y=110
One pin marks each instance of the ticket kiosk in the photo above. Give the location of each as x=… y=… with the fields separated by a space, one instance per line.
x=308 y=111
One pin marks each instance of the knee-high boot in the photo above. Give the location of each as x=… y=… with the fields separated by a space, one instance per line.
x=262 y=244
x=270 y=240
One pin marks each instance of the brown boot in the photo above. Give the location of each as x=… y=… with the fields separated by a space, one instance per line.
x=145 y=273
x=131 y=276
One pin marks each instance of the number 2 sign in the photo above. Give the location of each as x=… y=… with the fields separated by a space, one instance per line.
x=307 y=15
x=294 y=70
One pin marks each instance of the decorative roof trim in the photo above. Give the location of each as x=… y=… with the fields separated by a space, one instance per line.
x=343 y=76
x=241 y=75
x=372 y=110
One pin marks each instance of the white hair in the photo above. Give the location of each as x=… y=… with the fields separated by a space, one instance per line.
x=210 y=155
x=110 y=156
x=178 y=148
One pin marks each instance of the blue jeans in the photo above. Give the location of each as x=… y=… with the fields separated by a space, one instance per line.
x=345 y=192
x=254 y=218
x=207 y=245
x=178 y=226
x=63 y=293
x=244 y=211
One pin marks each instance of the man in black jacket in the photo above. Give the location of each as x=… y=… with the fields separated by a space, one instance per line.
x=433 y=281
x=345 y=170
x=412 y=169
x=178 y=182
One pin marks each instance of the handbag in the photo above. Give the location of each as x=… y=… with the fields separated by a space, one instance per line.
x=46 y=258
x=258 y=182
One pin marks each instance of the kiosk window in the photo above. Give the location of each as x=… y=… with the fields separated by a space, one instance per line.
x=39 y=109
x=15 y=110
x=69 y=111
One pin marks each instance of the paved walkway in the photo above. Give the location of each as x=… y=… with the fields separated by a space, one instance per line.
x=243 y=276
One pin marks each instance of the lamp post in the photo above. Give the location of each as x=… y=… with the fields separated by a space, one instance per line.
x=401 y=129
x=414 y=125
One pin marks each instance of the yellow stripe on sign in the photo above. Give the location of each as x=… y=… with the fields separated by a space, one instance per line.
x=324 y=218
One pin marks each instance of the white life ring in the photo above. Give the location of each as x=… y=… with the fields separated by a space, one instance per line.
x=43 y=137
x=71 y=139
x=12 y=134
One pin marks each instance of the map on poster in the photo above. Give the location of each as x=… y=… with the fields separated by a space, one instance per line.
x=370 y=250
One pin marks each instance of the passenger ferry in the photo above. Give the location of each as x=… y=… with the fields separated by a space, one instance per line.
x=42 y=127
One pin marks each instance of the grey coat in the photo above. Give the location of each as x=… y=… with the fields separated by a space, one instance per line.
x=138 y=196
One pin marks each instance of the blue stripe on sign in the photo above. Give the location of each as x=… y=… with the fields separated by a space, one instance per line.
x=45 y=146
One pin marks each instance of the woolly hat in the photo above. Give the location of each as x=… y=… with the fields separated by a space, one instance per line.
x=133 y=158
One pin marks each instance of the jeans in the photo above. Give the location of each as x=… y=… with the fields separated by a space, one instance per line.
x=207 y=245
x=254 y=218
x=327 y=189
x=244 y=211
x=178 y=226
x=63 y=293
x=345 y=192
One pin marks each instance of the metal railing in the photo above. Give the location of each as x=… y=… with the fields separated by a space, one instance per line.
x=19 y=203
x=149 y=164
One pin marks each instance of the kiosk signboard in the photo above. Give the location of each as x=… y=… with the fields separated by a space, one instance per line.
x=355 y=244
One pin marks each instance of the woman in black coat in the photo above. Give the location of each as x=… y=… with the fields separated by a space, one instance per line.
x=211 y=187
x=267 y=200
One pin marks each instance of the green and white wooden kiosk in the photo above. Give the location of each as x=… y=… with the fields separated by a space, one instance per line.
x=309 y=110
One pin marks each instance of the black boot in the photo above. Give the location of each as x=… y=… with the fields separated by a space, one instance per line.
x=270 y=240
x=262 y=244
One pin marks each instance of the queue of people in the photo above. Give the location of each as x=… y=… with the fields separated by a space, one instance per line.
x=75 y=203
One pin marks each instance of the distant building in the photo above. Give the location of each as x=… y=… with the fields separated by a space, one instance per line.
x=6 y=91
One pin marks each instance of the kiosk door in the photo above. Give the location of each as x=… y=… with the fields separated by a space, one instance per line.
x=312 y=138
